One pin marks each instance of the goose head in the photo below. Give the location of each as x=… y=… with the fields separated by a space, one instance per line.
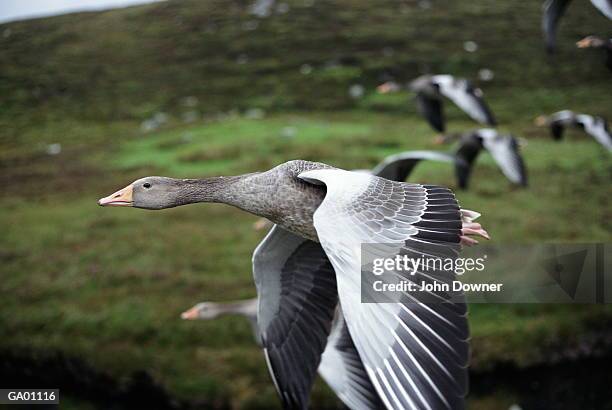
x=590 y=41
x=147 y=193
x=204 y=310
x=162 y=192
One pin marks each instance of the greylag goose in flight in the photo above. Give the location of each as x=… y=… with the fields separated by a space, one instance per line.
x=430 y=89
x=598 y=42
x=596 y=127
x=340 y=367
x=553 y=10
x=504 y=148
x=414 y=350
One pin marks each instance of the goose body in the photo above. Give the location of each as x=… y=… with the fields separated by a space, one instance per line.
x=398 y=167
x=415 y=350
x=596 y=127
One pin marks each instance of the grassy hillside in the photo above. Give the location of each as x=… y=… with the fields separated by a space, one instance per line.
x=239 y=94
x=129 y=63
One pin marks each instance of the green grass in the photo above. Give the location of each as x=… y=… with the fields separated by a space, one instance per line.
x=108 y=285
x=151 y=57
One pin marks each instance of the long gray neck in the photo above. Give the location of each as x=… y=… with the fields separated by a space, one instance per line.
x=232 y=190
x=246 y=308
x=215 y=189
x=250 y=192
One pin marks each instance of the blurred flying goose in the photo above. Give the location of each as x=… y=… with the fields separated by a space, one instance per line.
x=340 y=367
x=553 y=10
x=296 y=288
x=429 y=91
x=414 y=350
x=598 y=42
x=504 y=148
x=595 y=126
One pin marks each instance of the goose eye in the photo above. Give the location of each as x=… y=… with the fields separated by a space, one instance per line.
x=146 y=185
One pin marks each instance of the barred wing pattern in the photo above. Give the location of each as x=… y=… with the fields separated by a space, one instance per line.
x=296 y=286
x=342 y=369
x=415 y=352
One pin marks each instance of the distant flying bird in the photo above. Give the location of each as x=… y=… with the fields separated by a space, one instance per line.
x=598 y=42
x=430 y=90
x=595 y=126
x=504 y=148
x=553 y=10
x=416 y=349
x=341 y=367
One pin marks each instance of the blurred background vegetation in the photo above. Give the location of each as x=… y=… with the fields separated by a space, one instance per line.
x=91 y=297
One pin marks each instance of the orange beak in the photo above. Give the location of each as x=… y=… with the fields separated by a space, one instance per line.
x=122 y=197
x=439 y=140
x=190 y=314
x=384 y=88
x=584 y=43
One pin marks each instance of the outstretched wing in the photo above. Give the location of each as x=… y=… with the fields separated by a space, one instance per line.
x=297 y=292
x=505 y=151
x=552 y=10
x=398 y=167
x=559 y=121
x=605 y=6
x=556 y=129
x=431 y=109
x=469 y=99
x=415 y=350
x=468 y=150
x=342 y=369
x=597 y=128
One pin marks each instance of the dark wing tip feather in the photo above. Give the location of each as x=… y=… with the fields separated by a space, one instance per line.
x=556 y=129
